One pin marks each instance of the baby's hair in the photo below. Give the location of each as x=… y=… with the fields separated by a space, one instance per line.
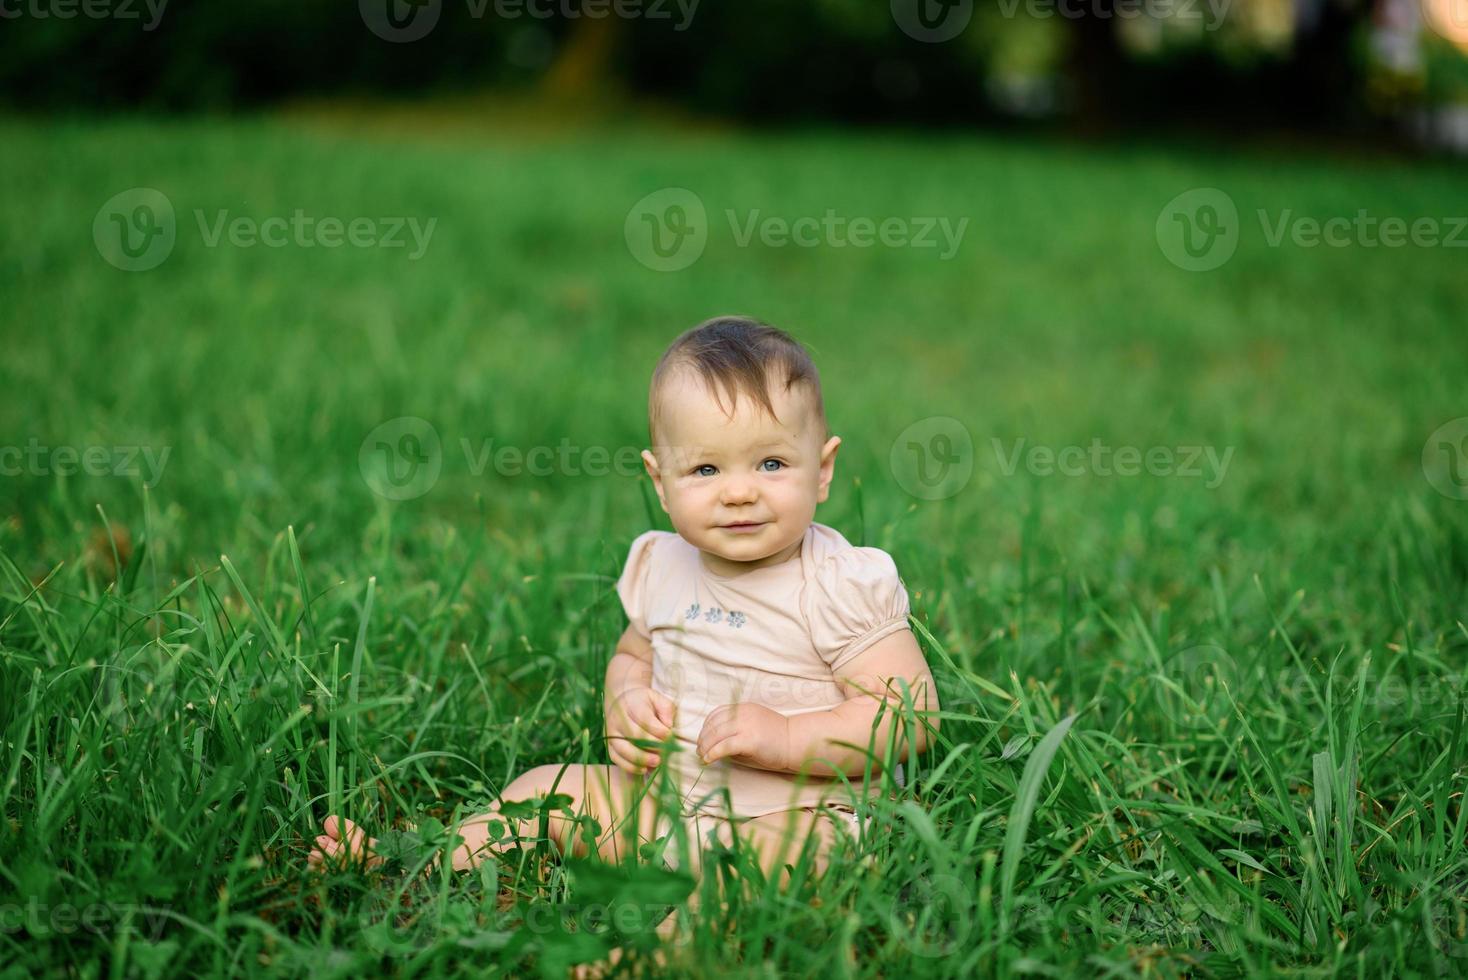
x=737 y=355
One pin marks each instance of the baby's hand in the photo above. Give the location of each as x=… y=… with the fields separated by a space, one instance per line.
x=638 y=713
x=747 y=733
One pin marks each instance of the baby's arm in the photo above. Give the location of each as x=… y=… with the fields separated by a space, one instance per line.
x=632 y=709
x=875 y=675
x=630 y=666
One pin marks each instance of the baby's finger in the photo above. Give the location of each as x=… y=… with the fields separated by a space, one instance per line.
x=713 y=733
x=629 y=765
x=620 y=760
x=648 y=759
x=654 y=731
x=665 y=708
x=727 y=746
x=615 y=754
x=651 y=726
x=636 y=757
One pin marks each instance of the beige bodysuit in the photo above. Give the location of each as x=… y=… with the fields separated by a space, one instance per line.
x=773 y=635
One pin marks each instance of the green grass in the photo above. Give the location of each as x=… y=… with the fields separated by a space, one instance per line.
x=1253 y=692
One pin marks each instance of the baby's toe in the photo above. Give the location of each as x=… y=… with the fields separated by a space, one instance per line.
x=325 y=850
x=352 y=837
x=344 y=841
x=355 y=838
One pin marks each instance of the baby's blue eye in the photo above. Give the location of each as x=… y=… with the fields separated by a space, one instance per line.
x=699 y=471
x=778 y=465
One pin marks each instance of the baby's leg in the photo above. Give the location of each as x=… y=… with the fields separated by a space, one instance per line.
x=777 y=839
x=620 y=803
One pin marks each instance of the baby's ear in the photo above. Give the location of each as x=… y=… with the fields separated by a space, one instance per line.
x=650 y=462
x=828 y=468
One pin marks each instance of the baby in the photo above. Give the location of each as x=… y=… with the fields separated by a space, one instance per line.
x=766 y=661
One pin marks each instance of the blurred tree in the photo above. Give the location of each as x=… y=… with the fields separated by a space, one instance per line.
x=1268 y=62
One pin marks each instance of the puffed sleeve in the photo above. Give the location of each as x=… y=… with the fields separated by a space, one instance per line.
x=855 y=598
x=632 y=586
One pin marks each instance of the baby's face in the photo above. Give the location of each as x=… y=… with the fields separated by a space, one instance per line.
x=715 y=473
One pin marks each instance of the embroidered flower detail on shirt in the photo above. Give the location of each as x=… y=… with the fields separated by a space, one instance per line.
x=715 y=615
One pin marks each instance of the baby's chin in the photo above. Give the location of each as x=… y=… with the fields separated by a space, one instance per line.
x=764 y=542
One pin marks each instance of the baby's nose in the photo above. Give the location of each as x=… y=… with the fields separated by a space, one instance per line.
x=738 y=492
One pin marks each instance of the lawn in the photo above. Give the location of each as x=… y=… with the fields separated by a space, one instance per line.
x=1249 y=653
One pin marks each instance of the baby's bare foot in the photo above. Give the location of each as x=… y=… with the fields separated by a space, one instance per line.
x=343 y=844
x=603 y=968
x=667 y=931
